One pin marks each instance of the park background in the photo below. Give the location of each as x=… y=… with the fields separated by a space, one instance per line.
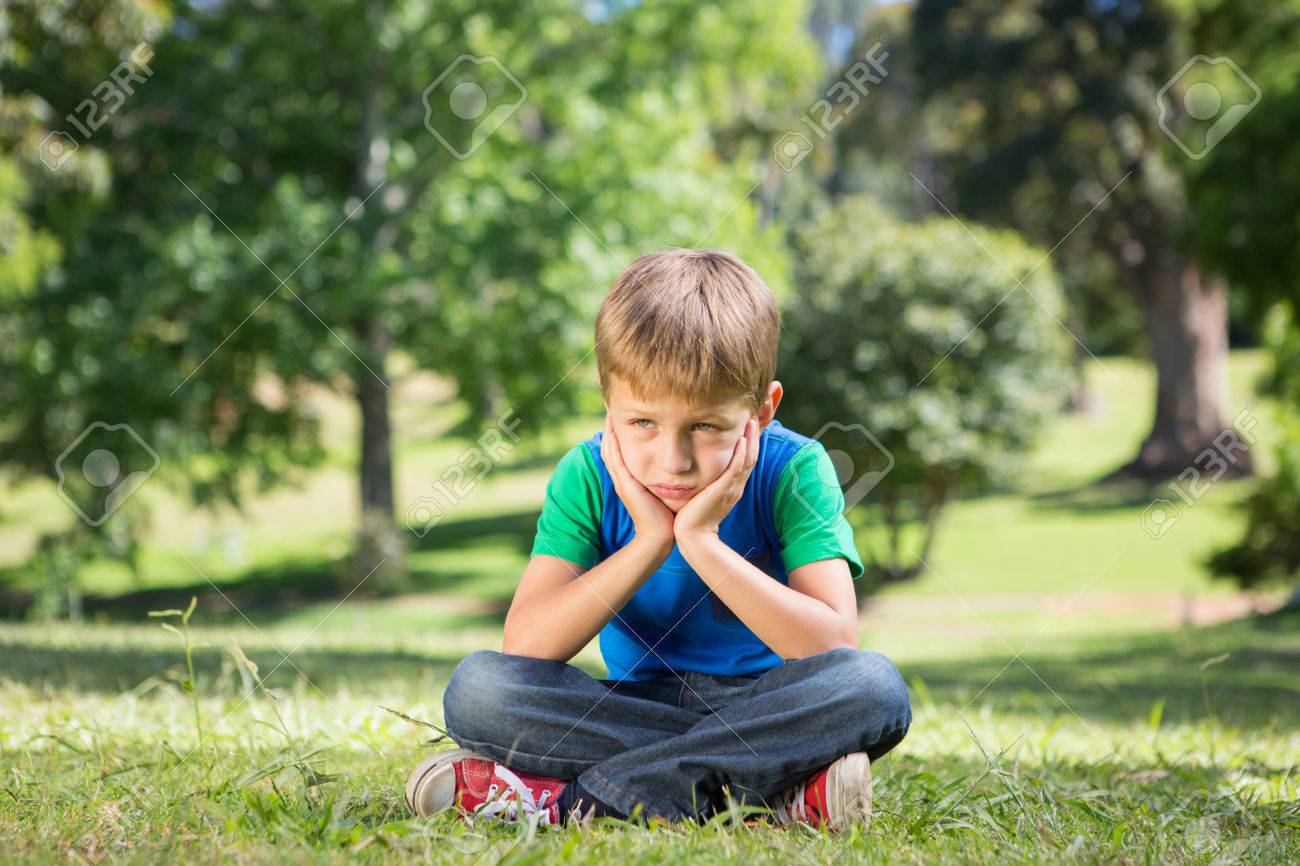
x=296 y=307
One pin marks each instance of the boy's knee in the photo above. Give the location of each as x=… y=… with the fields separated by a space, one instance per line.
x=486 y=689
x=474 y=694
x=879 y=686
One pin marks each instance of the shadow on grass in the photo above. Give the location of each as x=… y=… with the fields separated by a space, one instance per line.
x=275 y=591
x=1244 y=673
x=514 y=530
x=103 y=669
x=1101 y=495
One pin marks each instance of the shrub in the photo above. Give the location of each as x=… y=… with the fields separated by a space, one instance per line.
x=1269 y=550
x=913 y=356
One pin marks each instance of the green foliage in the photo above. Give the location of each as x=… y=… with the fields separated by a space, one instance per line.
x=1246 y=195
x=289 y=142
x=1269 y=550
x=1034 y=112
x=28 y=253
x=1045 y=102
x=60 y=554
x=90 y=331
x=1246 y=192
x=879 y=302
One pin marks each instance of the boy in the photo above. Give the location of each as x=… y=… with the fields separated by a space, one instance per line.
x=704 y=542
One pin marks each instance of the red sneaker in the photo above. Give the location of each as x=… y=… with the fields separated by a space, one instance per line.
x=480 y=786
x=833 y=797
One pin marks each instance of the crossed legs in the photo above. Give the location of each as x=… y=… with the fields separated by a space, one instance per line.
x=632 y=742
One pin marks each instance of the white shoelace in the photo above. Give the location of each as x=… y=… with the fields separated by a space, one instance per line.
x=794 y=806
x=515 y=799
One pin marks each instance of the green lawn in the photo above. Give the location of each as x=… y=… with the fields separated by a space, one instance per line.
x=1118 y=735
x=1183 y=749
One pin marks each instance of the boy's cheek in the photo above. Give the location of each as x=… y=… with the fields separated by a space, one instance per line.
x=721 y=459
x=638 y=474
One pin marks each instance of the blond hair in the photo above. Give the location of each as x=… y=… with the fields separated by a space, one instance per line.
x=696 y=324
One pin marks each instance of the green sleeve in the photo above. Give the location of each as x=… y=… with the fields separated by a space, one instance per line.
x=809 y=512
x=569 y=527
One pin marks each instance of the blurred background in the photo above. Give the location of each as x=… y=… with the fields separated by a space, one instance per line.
x=296 y=309
x=272 y=271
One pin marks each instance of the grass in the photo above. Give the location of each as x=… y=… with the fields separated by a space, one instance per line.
x=1119 y=733
x=1183 y=749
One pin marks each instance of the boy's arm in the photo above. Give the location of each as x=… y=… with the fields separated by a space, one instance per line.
x=817 y=611
x=562 y=601
x=560 y=606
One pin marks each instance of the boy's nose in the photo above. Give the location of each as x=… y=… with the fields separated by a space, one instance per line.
x=677 y=460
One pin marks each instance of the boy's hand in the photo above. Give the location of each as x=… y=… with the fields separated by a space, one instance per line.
x=704 y=511
x=653 y=520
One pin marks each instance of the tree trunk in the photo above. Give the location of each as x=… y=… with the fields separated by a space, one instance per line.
x=376 y=435
x=1186 y=319
x=372 y=392
x=1082 y=400
x=491 y=401
x=379 y=557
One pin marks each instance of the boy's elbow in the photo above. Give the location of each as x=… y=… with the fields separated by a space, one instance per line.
x=529 y=649
x=515 y=647
x=514 y=639
x=848 y=639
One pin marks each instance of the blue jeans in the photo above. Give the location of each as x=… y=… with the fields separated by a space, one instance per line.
x=671 y=743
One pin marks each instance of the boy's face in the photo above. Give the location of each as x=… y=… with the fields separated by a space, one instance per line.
x=675 y=449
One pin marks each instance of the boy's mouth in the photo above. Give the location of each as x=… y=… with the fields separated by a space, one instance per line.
x=669 y=491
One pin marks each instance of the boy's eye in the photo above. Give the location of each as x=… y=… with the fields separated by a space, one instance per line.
x=645 y=423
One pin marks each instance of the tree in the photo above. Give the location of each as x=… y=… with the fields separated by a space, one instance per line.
x=86 y=318
x=1246 y=195
x=1055 y=103
x=451 y=250
x=889 y=148
x=275 y=211
x=1245 y=192
x=878 y=301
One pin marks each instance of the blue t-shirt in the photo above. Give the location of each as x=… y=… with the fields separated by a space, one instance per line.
x=789 y=515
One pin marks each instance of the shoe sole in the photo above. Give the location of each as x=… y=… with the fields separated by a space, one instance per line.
x=431 y=787
x=848 y=787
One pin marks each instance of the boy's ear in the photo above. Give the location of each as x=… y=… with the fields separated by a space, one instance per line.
x=767 y=411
